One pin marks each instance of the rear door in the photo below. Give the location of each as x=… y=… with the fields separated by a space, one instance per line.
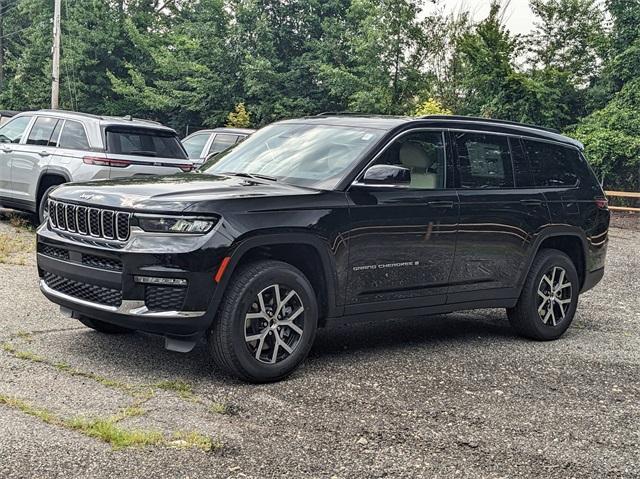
x=144 y=151
x=221 y=142
x=501 y=213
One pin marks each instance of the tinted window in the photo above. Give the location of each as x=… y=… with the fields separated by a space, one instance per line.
x=296 y=153
x=42 y=132
x=521 y=168
x=552 y=164
x=484 y=160
x=73 y=136
x=222 y=141
x=423 y=153
x=195 y=144
x=12 y=132
x=144 y=142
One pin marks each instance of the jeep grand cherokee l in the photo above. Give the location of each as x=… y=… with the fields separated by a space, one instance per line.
x=332 y=218
x=43 y=149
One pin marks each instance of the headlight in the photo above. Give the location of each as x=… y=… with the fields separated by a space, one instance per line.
x=177 y=224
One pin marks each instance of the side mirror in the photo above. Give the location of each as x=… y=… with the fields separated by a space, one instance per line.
x=389 y=175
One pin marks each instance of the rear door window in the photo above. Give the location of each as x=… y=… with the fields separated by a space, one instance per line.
x=73 y=136
x=41 y=133
x=144 y=142
x=484 y=160
x=195 y=144
x=222 y=141
x=553 y=164
x=521 y=167
x=12 y=131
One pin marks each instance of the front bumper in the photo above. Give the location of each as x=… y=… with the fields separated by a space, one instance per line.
x=100 y=282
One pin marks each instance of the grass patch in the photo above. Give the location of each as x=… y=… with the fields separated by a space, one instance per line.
x=14 y=248
x=20 y=222
x=219 y=408
x=194 y=440
x=25 y=336
x=108 y=430
x=185 y=390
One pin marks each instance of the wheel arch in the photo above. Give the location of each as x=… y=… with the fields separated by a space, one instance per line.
x=570 y=241
x=49 y=177
x=287 y=247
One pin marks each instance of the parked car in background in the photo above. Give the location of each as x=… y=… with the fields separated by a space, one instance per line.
x=6 y=115
x=43 y=149
x=333 y=219
x=204 y=143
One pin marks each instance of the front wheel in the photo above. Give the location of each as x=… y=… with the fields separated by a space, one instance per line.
x=549 y=297
x=267 y=322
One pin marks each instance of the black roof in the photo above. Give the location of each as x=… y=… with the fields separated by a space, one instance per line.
x=385 y=122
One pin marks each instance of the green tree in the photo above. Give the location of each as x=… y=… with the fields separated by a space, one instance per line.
x=432 y=107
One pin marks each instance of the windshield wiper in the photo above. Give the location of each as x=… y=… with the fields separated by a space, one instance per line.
x=250 y=175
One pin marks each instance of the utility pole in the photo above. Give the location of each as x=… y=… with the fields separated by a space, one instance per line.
x=55 y=82
x=1 y=47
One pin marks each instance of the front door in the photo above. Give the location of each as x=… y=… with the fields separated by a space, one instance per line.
x=402 y=239
x=500 y=215
x=10 y=136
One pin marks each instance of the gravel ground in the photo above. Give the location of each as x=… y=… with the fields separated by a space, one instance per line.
x=457 y=395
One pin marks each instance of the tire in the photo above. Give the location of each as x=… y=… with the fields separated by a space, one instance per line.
x=545 y=322
x=243 y=315
x=103 y=327
x=43 y=204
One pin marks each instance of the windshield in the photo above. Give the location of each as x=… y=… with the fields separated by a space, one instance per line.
x=318 y=156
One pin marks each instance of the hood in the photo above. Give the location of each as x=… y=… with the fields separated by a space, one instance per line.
x=171 y=193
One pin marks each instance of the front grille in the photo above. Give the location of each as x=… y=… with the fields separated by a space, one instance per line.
x=164 y=298
x=101 y=262
x=95 y=222
x=54 y=252
x=84 y=291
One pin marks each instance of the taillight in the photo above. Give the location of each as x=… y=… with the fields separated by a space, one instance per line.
x=602 y=203
x=98 y=161
x=188 y=167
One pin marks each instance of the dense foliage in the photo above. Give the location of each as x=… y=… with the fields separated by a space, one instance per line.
x=196 y=63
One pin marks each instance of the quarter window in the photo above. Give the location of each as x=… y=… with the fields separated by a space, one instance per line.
x=42 y=132
x=484 y=161
x=73 y=136
x=12 y=131
x=553 y=165
x=424 y=154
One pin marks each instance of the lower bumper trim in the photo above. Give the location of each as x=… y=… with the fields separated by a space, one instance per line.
x=129 y=308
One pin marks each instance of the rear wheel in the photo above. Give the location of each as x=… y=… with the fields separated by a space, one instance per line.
x=103 y=327
x=267 y=322
x=549 y=298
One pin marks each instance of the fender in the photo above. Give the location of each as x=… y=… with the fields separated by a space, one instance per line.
x=551 y=232
x=52 y=170
x=328 y=265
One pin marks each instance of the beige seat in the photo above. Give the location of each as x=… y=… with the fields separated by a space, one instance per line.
x=414 y=157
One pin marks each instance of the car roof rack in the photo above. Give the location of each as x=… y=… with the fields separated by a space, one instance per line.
x=488 y=120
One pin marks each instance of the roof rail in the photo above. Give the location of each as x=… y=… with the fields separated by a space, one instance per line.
x=347 y=113
x=488 y=120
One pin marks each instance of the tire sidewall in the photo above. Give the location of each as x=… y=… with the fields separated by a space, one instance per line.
x=43 y=202
x=290 y=278
x=545 y=331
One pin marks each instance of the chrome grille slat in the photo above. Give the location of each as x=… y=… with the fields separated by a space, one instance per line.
x=100 y=223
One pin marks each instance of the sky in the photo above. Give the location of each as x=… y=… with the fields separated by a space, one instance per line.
x=518 y=16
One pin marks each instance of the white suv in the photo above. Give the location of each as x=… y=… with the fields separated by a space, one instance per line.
x=43 y=149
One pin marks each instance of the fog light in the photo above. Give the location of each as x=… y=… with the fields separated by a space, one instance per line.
x=160 y=281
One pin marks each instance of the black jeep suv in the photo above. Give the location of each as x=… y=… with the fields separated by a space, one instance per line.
x=332 y=218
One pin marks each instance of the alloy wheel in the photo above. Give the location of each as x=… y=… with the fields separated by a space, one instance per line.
x=554 y=296
x=274 y=324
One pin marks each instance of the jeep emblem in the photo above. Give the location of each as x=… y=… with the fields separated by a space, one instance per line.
x=86 y=196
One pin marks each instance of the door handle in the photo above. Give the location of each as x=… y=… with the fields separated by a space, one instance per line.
x=531 y=202
x=440 y=204
x=7 y=150
x=43 y=153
